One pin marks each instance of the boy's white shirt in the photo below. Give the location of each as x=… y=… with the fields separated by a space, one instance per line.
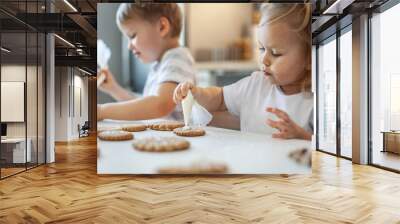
x=176 y=65
x=249 y=97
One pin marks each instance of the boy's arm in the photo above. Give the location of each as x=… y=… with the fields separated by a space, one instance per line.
x=121 y=94
x=110 y=86
x=148 y=107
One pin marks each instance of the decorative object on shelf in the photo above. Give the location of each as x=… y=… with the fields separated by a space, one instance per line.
x=240 y=49
x=391 y=141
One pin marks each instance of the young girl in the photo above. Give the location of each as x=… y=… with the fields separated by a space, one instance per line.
x=283 y=86
x=153 y=30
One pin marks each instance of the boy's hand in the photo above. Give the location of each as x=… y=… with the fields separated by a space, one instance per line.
x=109 y=84
x=287 y=127
x=182 y=90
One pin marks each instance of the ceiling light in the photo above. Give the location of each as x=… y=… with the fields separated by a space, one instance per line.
x=337 y=7
x=64 y=40
x=84 y=71
x=5 y=50
x=70 y=5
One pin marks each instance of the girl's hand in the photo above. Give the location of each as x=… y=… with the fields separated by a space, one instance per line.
x=99 y=112
x=109 y=85
x=288 y=129
x=182 y=90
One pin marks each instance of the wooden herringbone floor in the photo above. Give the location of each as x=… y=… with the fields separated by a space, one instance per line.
x=70 y=191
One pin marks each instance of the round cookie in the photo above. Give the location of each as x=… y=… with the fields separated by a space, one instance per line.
x=107 y=128
x=198 y=168
x=189 y=131
x=166 y=126
x=161 y=144
x=115 y=135
x=134 y=127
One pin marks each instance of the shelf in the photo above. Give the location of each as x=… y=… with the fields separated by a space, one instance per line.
x=227 y=66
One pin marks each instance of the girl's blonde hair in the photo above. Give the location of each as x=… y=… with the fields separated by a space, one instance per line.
x=151 y=12
x=298 y=17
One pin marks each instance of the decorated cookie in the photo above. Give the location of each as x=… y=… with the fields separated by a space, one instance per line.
x=189 y=131
x=115 y=135
x=166 y=126
x=107 y=128
x=161 y=144
x=134 y=127
x=196 y=168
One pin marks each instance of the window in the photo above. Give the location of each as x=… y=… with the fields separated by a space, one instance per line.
x=346 y=93
x=385 y=89
x=22 y=73
x=327 y=96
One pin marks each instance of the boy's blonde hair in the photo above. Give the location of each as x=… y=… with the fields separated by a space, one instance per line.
x=298 y=17
x=151 y=12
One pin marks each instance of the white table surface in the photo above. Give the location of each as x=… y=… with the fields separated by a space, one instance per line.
x=244 y=153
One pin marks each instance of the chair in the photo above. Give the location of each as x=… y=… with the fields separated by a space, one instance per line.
x=84 y=130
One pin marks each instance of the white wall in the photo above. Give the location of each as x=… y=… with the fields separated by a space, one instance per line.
x=61 y=103
x=80 y=114
x=34 y=125
x=16 y=73
x=71 y=94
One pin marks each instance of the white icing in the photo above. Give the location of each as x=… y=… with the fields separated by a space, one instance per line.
x=186 y=128
x=187 y=105
x=115 y=133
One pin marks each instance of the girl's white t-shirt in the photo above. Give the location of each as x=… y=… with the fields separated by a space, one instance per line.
x=176 y=65
x=249 y=98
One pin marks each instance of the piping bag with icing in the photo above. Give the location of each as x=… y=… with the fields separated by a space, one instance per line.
x=103 y=55
x=193 y=113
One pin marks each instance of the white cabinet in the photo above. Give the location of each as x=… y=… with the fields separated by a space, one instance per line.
x=15 y=148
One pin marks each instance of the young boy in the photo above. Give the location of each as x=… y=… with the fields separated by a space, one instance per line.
x=282 y=87
x=153 y=30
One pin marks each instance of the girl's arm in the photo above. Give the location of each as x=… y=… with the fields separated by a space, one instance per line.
x=224 y=119
x=210 y=98
x=148 y=107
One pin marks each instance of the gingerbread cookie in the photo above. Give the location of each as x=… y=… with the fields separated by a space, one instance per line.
x=197 y=168
x=134 y=127
x=161 y=144
x=107 y=128
x=115 y=135
x=189 y=131
x=166 y=126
